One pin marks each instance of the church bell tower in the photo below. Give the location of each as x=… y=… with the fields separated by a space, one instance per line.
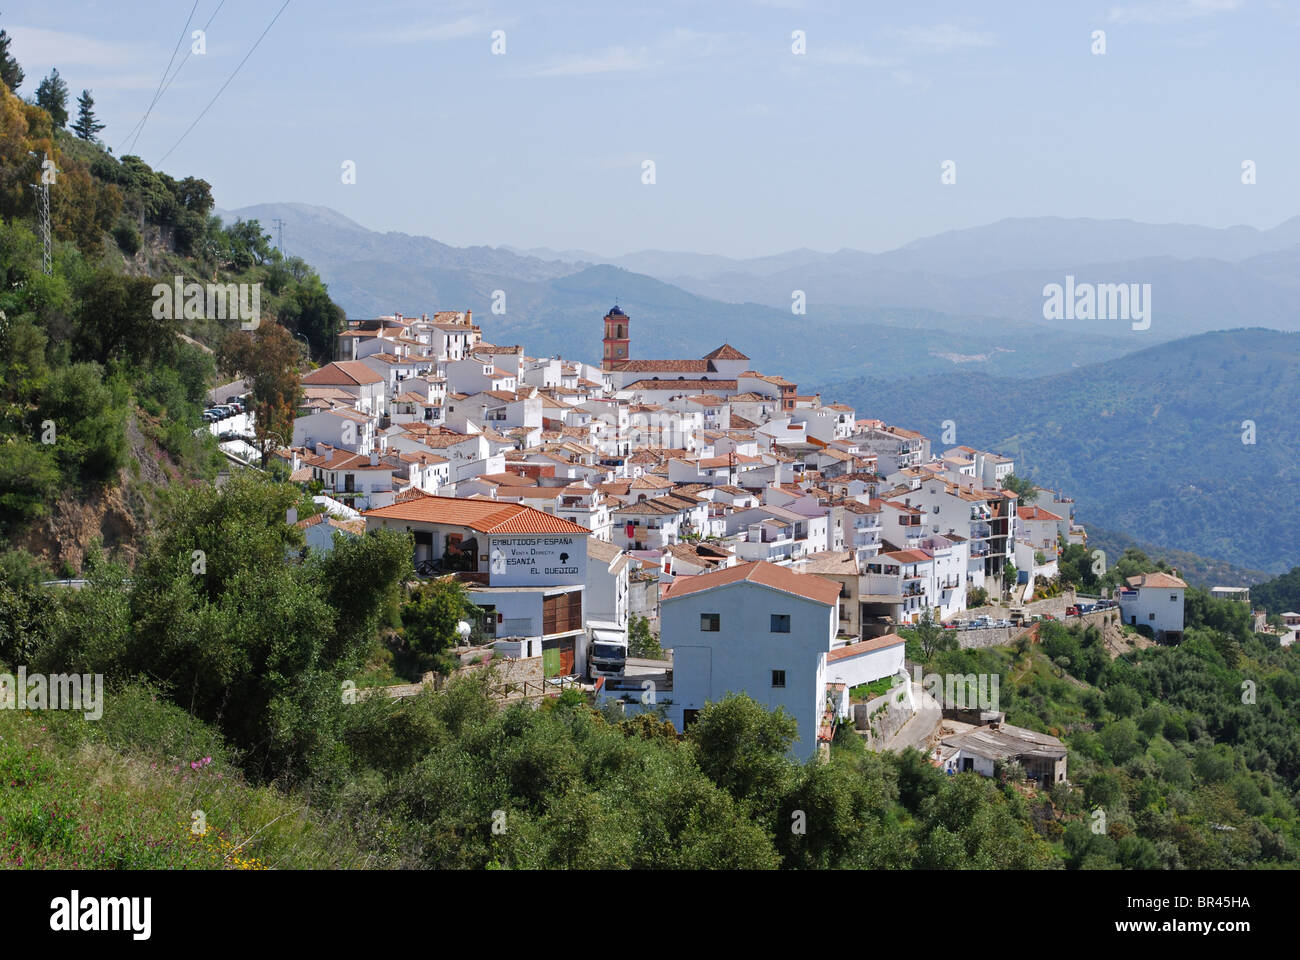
x=617 y=338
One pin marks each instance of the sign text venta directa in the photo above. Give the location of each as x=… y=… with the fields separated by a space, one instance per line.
x=540 y=560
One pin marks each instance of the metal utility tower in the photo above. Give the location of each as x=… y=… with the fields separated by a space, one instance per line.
x=280 y=230
x=42 y=189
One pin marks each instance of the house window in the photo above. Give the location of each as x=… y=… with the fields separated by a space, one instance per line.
x=1151 y=616
x=780 y=623
x=710 y=622
x=778 y=678
x=1173 y=597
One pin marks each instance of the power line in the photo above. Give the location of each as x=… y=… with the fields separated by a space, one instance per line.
x=224 y=85
x=140 y=123
x=163 y=78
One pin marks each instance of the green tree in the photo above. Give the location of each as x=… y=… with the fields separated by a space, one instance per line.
x=86 y=126
x=932 y=636
x=431 y=614
x=52 y=97
x=1122 y=700
x=245 y=640
x=11 y=74
x=308 y=310
x=115 y=321
x=1024 y=489
x=742 y=748
x=640 y=641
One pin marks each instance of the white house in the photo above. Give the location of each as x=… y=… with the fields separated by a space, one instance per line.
x=356 y=379
x=342 y=428
x=1155 y=599
x=525 y=568
x=755 y=628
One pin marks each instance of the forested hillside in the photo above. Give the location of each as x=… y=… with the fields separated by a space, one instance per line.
x=1279 y=595
x=100 y=395
x=1156 y=445
x=239 y=714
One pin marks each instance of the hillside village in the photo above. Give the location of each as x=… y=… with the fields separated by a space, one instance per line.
x=774 y=542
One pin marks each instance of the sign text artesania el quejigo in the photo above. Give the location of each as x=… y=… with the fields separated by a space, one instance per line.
x=538 y=560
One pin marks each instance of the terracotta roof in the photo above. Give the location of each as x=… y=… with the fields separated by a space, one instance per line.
x=485 y=516
x=507 y=479
x=671 y=366
x=1161 y=581
x=804 y=585
x=343 y=371
x=683 y=386
x=843 y=562
x=1035 y=513
x=909 y=556
x=864 y=646
x=602 y=550
x=725 y=352
x=778 y=381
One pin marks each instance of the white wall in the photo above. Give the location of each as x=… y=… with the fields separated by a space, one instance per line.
x=741 y=656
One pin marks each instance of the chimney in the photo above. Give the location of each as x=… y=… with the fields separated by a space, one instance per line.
x=374 y=458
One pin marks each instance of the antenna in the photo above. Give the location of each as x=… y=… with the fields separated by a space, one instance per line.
x=280 y=229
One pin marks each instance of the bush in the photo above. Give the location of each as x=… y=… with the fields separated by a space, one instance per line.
x=127 y=237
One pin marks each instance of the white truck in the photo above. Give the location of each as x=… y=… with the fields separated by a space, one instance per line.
x=607 y=652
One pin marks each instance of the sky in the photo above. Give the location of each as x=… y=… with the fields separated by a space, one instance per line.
x=756 y=148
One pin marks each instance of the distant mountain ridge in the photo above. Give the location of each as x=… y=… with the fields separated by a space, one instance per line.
x=553 y=308
x=1201 y=278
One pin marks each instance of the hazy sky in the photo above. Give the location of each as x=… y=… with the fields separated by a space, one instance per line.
x=756 y=149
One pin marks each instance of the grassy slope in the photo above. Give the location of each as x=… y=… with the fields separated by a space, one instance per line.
x=119 y=793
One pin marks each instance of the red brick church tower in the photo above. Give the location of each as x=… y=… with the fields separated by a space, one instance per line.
x=617 y=338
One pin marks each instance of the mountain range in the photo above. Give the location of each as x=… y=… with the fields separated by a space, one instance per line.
x=555 y=307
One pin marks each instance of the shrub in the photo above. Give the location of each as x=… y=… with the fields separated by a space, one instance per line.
x=127 y=237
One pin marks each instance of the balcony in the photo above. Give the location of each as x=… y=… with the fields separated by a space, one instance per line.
x=881 y=584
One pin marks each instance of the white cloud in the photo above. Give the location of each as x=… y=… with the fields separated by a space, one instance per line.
x=1169 y=11
x=614 y=60
x=39 y=46
x=848 y=57
x=945 y=36
x=451 y=30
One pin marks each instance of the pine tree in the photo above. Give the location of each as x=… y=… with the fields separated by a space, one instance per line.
x=86 y=127
x=52 y=96
x=10 y=72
